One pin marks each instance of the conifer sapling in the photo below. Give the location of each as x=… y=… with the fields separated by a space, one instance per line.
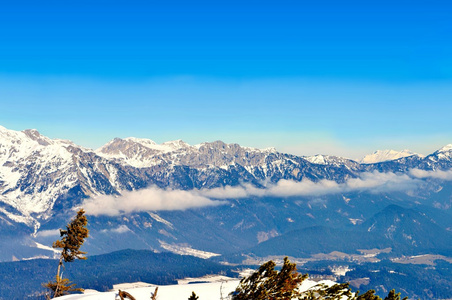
x=71 y=240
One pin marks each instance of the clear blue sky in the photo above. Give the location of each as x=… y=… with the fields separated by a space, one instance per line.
x=332 y=77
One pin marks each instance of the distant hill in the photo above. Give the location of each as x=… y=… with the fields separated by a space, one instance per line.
x=23 y=279
x=406 y=231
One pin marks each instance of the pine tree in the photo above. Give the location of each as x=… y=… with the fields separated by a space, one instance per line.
x=393 y=296
x=62 y=286
x=71 y=240
x=266 y=283
x=193 y=296
x=369 y=295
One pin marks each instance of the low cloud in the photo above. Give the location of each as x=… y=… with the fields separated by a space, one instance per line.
x=155 y=199
x=145 y=200
x=438 y=174
x=374 y=182
x=119 y=229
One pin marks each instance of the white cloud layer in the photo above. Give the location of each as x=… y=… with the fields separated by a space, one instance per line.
x=373 y=182
x=145 y=200
x=438 y=174
x=154 y=199
x=119 y=229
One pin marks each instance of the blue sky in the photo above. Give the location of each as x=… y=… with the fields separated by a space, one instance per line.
x=306 y=77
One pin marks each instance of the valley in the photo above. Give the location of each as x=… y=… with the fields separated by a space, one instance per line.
x=234 y=206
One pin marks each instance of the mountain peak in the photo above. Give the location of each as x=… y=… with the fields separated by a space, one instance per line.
x=36 y=136
x=385 y=155
x=176 y=144
x=447 y=148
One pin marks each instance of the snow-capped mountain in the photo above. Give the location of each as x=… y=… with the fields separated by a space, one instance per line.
x=332 y=161
x=42 y=179
x=140 y=153
x=29 y=165
x=38 y=173
x=442 y=156
x=386 y=155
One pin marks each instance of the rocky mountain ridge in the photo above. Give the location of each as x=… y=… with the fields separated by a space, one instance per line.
x=268 y=202
x=38 y=174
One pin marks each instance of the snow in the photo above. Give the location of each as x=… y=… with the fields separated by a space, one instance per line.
x=211 y=291
x=317 y=159
x=340 y=271
x=446 y=148
x=329 y=160
x=215 y=290
x=44 y=247
x=160 y=220
x=138 y=152
x=35 y=171
x=385 y=155
x=187 y=250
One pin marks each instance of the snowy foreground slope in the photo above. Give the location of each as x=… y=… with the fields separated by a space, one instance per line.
x=205 y=291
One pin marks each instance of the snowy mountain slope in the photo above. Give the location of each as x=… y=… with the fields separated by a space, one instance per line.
x=440 y=159
x=228 y=163
x=139 y=153
x=37 y=173
x=332 y=160
x=42 y=179
x=385 y=155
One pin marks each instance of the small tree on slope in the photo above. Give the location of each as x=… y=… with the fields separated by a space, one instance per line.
x=71 y=240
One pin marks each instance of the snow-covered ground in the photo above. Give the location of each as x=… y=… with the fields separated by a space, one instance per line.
x=215 y=290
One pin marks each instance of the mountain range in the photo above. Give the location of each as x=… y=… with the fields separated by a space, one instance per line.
x=222 y=201
x=39 y=174
x=42 y=180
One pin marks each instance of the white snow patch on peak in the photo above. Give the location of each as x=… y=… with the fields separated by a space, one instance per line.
x=446 y=148
x=144 y=142
x=385 y=155
x=328 y=160
x=177 y=144
x=29 y=138
x=270 y=149
x=165 y=147
x=317 y=159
